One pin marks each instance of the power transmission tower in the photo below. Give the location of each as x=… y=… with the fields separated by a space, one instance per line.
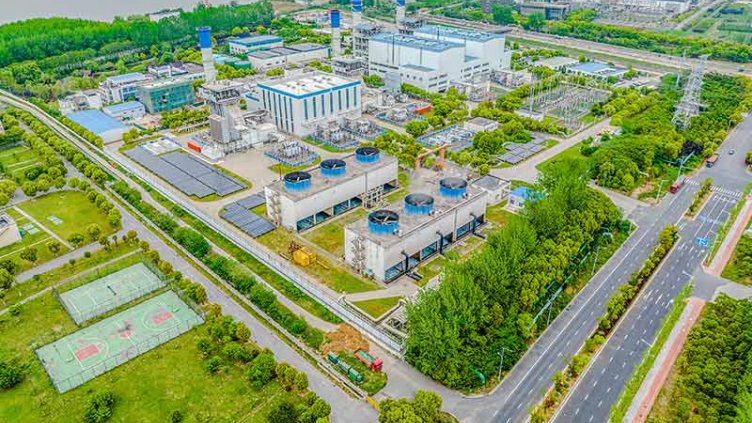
x=689 y=106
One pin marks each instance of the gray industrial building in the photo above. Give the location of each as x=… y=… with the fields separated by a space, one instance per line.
x=305 y=199
x=391 y=242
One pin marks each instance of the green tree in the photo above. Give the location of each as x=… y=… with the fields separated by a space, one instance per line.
x=94 y=231
x=54 y=246
x=99 y=408
x=10 y=375
x=29 y=254
x=416 y=128
x=502 y=14
x=284 y=412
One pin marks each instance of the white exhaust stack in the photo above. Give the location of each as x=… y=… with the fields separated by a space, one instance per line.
x=400 y=11
x=207 y=56
x=336 y=37
x=357 y=9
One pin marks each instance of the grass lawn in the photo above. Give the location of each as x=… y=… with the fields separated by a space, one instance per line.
x=36 y=240
x=147 y=388
x=72 y=207
x=498 y=215
x=327 y=147
x=24 y=290
x=331 y=274
x=283 y=168
x=15 y=161
x=571 y=153
x=377 y=307
x=260 y=210
x=431 y=269
x=331 y=236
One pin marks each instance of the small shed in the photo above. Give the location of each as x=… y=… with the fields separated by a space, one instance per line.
x=518 y=197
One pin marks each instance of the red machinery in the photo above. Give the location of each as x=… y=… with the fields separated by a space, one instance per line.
x=373 y=363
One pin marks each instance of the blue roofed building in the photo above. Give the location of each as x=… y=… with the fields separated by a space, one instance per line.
x=283 y=56
x=258 y=42
x=598 y=70
x=109 y=129
x=518 y=197
x=125 y=112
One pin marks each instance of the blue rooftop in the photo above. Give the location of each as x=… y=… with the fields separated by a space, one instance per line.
x=257 y=40
x=96 y=121
x=135 y=76
x=452 y=32
x=521 y=192
x=415 y=42
x=591 y=67
x=123 y=107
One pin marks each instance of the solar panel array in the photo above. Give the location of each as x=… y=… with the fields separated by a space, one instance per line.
x=238 y=214
x=519 y=152
x=186 y=173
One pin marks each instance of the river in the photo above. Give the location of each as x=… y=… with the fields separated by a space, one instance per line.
x=105 y=10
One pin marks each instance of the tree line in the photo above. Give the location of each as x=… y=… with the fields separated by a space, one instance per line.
x=488 y=302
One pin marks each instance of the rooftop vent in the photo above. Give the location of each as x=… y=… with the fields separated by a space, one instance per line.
x=367 y=155
x=297 y=181
x=419 y=204
x=333 y=168
x=383 y=222
x=453 y=187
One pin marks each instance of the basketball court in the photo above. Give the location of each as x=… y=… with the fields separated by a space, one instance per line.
x=107 y=293
x=96 y=349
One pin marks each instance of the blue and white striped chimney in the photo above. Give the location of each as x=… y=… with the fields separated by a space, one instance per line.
x=207 y=56
x=336 y=37
x=400 y=11
x=357 y=10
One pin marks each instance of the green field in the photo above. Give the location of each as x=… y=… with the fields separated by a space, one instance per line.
x=377 y=307
x=147 y=388
x=72 y=207
x=331 y=236
x=333 y=275
x=35 y=237
x=15 y=161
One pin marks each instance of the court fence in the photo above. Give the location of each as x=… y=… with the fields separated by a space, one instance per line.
x=81 y=316
x=85 y=375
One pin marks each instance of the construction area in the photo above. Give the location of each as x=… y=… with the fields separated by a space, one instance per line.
x=96 y=349
x=649 y=14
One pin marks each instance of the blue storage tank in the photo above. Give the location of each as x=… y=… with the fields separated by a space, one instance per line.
x=367 y=155
x=333 y=168
x=419 y=204
x=383 y=222
x=453 y=187
x=297 y=181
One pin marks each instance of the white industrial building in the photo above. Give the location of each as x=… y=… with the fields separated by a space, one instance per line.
x=285 y=56
x=299 y=104
x=120 y=88
x=127 y=112
x=435 y=58
x=391 y=242
x=305 y=199
x=83 y=100
x=259 y=42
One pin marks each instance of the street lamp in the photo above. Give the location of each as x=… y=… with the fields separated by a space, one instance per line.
x=501 y=362
x=657 y=194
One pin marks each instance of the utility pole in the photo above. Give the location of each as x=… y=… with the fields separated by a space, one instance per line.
x=501 y=362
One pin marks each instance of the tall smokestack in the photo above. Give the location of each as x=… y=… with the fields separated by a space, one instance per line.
x=336 y=37
x=357 y=9
x=207 y=56
x=400 y=11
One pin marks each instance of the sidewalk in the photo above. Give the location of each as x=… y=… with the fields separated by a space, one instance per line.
x=732 y=238
x=648 y=393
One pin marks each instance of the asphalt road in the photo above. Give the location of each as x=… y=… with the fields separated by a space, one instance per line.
x=600 y=386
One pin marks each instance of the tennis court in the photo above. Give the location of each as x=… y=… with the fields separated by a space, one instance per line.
x=83 y=355
x=109 y=292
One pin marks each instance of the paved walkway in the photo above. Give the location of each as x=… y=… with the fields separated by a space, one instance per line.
x=732 y=238
x=626 y=203
x=61 y=260
x=658 y=374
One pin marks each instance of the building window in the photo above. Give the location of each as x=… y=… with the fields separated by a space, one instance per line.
x=355 y=96
x=314 y=107
x=347 y=99
x=339 y=99
x=331 y=103
x=305 y=108
x=323 y=107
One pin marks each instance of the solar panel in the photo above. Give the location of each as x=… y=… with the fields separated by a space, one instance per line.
x=252 y=201
x=249 y=222
x=190 y=175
